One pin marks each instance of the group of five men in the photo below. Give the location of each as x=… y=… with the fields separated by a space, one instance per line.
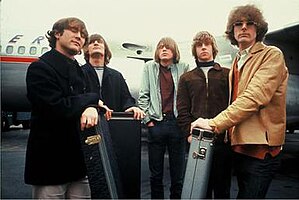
x=244 y=106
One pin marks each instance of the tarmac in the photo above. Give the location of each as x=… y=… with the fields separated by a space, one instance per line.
x=285 y=185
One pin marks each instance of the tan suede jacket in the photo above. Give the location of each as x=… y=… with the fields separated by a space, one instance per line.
x=258 y=115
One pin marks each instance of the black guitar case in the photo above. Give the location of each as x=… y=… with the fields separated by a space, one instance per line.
x=102 y=168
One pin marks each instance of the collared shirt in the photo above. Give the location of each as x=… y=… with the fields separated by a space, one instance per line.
x=242 y=57
x=167 y=89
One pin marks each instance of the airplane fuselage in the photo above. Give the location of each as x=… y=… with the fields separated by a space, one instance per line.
x=16 y=56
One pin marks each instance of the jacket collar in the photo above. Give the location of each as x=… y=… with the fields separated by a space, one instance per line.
x=257 y=47
x=157 y=65
x=216 y=66
x=107 y=72
x=59 y=62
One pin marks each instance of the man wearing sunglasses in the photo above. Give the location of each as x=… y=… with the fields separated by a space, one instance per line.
x=256 y=117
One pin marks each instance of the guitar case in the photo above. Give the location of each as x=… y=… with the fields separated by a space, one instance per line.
x=102 y=168
x=198 y=165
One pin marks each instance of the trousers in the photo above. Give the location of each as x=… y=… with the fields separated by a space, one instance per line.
x=166 y=135
x=72 y=190
x=254 y=175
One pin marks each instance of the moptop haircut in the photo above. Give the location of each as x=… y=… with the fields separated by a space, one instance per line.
x=170 y=44
x=250 y=13
x=99 y=38
x=204 y=37
x=66 y=23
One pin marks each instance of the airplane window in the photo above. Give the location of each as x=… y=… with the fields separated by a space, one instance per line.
x=9 y=49
x=21 y=50
x=32 y=50
x=44 y=49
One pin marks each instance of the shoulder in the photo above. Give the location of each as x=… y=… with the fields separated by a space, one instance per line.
x=261 y=47
x=183 y=65
x=41 y=63
x=189 y=74
x=40 y=68
x=111 y=70
x=150 y=66
x=224 y=69
x=150 y=63
x=274 y=50
x=87 y=67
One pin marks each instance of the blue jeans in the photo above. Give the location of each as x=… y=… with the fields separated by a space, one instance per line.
x=255 y=175
x=166 y=134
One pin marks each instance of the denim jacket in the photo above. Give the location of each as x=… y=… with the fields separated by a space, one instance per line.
x=150 y=95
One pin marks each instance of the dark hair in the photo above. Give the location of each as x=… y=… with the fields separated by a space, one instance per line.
x=172 y=45
x=98 y=37
x=251 y=13
x=204 y=37
x=66 y=23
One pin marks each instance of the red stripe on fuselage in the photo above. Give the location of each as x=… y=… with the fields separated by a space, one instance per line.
x=17 y=59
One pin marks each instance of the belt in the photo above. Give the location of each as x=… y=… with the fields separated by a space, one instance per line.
x=168 y=116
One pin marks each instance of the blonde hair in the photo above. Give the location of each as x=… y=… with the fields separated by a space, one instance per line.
x=204 y=37
x=170 y=44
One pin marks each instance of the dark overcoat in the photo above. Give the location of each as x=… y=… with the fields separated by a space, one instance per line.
x=56 y=89
x=114 y=91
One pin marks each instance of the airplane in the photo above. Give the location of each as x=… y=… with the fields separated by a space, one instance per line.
x=18 y=50
x=288 y=41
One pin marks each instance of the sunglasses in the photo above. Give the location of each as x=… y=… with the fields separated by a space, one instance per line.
x=240 y=24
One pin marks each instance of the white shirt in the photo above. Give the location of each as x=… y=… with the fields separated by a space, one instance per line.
x=99 y=71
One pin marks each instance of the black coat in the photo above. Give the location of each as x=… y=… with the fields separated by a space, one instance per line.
x=114 y=92
x=56 y=89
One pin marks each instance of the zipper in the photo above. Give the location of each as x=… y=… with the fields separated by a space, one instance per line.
x=207 y=88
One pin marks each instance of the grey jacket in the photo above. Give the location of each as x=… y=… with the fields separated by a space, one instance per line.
x=149 y=99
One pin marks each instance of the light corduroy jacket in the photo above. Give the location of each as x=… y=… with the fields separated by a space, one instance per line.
x=259 y=112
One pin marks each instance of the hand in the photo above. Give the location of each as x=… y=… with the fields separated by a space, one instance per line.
x=189 y=139
x=138 y=113
x=108 y=113
x=150 y=124
x=89 y=118
x=201 y=123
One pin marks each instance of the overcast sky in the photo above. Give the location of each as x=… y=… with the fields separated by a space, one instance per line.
x=140 y=20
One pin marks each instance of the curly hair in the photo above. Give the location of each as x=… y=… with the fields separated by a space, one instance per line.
x=66 y=23
x=250 y=13
x=204 y=37
x=99 y=38
x=172 y=45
